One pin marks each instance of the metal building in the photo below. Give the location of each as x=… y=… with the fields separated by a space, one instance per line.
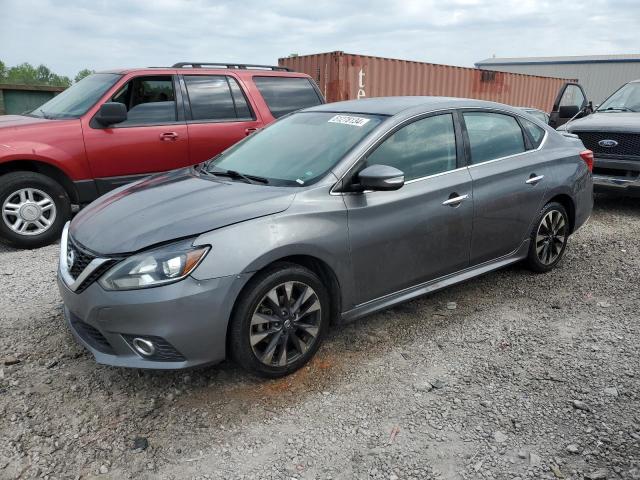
x=600 y=75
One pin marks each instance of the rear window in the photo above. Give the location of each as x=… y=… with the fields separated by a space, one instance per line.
x=286 y=94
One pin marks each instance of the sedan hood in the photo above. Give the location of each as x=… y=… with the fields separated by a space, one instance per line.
x=170 y=206
x=623 y=122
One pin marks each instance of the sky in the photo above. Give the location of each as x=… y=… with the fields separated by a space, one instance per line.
x=69 y=35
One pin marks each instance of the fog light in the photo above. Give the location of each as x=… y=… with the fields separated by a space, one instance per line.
x=143 y=347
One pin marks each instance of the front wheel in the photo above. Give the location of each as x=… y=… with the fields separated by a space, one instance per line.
x=34 y=209
x=280 y=321
x=548 y=238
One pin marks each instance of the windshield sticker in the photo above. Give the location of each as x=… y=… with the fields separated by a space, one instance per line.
x=349 y=120
x=301 y=182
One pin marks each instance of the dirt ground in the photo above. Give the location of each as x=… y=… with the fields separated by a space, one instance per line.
x=508 y=376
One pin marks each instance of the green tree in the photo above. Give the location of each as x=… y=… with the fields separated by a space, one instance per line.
x=3 y=72
x=27 y=74
x=83 y=73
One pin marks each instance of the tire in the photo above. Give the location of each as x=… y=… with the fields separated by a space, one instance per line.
x=25 y=196
x=256 y=341
x=549 y=238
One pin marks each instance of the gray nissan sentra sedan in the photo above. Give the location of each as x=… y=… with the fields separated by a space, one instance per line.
x=329 y=214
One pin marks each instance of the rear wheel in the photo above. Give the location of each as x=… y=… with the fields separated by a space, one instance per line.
x=280 y=321
x=34 y=209
x=548 y=238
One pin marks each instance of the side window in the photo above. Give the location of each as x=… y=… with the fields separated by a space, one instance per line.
x=424 y=147
x=210 y=97
x=535 y=132
x=149 y=100
x=493 y=135
x=572 y=97
x=286 y=94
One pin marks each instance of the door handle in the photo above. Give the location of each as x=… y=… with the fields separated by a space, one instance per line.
x=534 y=179
x=455 y=200
x=168 y=136
x=250 y=130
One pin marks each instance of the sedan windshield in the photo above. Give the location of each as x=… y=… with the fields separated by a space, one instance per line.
x=627 y=99
x=297 y=150
x=77 y=99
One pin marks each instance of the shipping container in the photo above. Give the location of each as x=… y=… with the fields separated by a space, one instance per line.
x=346 y=76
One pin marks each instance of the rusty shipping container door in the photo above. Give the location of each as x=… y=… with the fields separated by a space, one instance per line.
x=345 y=76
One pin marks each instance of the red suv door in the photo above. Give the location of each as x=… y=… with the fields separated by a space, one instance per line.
x=218 y=114
x=154 y=138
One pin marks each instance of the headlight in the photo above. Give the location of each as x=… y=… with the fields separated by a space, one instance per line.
x=159 y=266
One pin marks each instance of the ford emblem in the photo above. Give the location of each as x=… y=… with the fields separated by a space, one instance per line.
x=608 y=143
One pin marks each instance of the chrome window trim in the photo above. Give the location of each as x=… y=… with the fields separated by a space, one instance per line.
x=452 y=110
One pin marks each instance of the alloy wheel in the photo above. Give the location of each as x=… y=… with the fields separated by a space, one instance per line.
x=551 y=237
x=29 y=211
x=285 y=324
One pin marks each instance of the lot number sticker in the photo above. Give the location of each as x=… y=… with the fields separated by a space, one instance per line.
x=349 y=120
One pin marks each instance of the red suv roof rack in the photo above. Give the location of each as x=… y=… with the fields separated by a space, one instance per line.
x=241 y=66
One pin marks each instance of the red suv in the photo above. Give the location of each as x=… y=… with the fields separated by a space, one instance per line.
x=115 y=127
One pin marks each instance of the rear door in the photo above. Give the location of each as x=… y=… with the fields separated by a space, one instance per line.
x=152 y=139
x=422 y=231
x=218 y=114
x=569 y=101
x=510 y=172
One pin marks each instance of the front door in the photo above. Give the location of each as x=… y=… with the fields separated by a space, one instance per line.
x=218 y=113
x=510 y=176
x=152 y=139
x=421 y=231
x=569 y=102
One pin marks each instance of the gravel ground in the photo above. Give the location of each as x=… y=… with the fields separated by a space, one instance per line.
x=512 y=375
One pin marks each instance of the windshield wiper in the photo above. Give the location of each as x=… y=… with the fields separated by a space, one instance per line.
x=621 y=109
x=44 y=115
x=253 y=179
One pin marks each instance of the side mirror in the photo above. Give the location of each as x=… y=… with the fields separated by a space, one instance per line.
x=568 y=111
x=111 y=113
x=380 y=178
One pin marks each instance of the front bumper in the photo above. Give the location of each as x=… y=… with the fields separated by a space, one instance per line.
x=614 y=175
x=188 y=321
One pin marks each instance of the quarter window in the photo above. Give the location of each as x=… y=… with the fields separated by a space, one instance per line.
x=149 y=100
x=287 y=94
x=535 y=132
x=216 y=97
x=424 y=147
x=493 y=135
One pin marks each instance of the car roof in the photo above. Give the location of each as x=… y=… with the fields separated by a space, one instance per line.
x=408 y=105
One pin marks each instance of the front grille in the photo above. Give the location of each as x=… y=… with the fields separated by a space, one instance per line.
x=81 y=258
x=91 y=335
x=628 y=143
x=165 y=352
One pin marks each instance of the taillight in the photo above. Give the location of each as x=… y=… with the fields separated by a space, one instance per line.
x=587 y=156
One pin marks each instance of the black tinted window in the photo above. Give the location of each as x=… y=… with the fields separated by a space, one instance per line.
x=284 y=94
x=493 y=135
x=535 y=132
x=422 y=148
x=210 y=97
x=149 y=100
